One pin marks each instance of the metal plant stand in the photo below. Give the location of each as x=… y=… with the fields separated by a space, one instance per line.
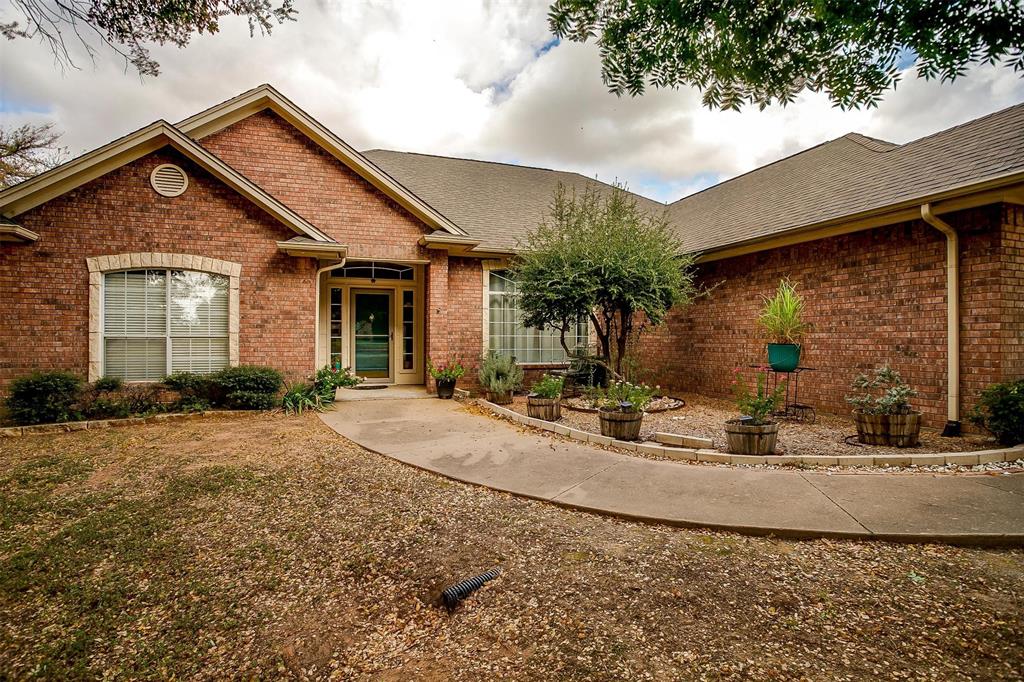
x=793 y=408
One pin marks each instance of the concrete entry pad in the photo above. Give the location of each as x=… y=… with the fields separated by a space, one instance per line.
x=442 y=437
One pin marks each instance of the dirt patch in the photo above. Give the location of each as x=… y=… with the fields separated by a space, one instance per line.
x=269 y=547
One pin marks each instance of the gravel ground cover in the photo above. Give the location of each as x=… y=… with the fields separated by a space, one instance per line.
x=705 y=417
x=264 y=547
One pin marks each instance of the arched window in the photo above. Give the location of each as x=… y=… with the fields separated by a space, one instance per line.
x=152 y=321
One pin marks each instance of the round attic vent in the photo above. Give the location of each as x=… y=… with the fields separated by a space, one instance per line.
x=168 y=180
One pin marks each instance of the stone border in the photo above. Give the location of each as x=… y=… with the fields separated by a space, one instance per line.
x=65 y=427
x=695 y=455
x=100 y=265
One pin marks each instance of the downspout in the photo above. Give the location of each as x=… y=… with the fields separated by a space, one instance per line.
x=316 y=315
x=952 y=319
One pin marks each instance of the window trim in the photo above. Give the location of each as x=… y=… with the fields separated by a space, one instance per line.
x=501 y=264
x=101 y=265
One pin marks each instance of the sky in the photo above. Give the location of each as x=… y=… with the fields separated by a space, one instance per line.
x=481 y=79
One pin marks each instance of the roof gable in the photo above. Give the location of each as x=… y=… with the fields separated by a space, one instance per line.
x=75 y=173
x=266 y=97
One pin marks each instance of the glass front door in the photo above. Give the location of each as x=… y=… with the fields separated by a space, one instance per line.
x=372 y=327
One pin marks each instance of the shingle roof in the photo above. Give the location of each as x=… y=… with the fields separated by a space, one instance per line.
x=497 y=203
x=847 y=176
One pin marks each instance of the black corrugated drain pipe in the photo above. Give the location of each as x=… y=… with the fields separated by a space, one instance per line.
x=451 y=596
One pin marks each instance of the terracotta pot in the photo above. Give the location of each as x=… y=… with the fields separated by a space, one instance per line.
x=620 y=425
x=499 y=398
x=548 y=409
x=751 y=440
x=901 y=430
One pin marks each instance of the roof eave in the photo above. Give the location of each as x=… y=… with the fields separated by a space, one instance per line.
x=9 y=232
x=1006 y=188
x=323 y=251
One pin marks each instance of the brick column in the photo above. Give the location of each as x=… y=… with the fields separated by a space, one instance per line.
x=437 y=312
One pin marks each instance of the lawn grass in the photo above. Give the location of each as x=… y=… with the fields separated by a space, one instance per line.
x=264 y=546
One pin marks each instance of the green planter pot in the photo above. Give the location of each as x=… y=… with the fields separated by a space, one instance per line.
x=784 y=357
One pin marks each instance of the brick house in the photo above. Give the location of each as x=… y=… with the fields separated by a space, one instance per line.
x=250 y=233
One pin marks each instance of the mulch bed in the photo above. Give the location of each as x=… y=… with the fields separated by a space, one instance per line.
x=828 y=436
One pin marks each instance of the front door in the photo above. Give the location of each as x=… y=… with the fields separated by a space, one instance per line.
x=372 y=337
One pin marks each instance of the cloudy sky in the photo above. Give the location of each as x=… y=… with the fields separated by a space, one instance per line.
x=466 y=78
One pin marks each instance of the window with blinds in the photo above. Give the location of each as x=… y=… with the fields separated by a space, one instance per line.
x=156 y=322
x=507 y=335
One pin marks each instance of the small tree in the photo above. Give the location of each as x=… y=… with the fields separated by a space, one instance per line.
x=602 y=258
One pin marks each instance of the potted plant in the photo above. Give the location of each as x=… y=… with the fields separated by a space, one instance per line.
x=882 y=409
x=754 y=433
x=445 y=377
x=782 y=321
x=544 y=399
x=500 y=376
x=622 y=407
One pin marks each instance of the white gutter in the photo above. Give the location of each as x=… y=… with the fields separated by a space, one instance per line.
x=952 y=318
x=316 y=315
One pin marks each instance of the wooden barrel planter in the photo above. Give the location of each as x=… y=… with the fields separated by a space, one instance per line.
x=901 y=430
x=751 y=440
x=621 y=425
x=500 y=397
x=548 y=409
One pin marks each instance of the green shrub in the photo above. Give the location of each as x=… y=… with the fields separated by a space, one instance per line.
x=327 y=380
x=1000 y=411
x=248 y=379
x=250 y=400
x=895 y=393
x=107 y=384
x=188 y=383
x=620 y=393
x=44 y=397
x=500 y=373
x=548 y=386
x=192 y=404
x=300 y=397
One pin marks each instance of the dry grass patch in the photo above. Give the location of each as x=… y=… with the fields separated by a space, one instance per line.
x=266 y=546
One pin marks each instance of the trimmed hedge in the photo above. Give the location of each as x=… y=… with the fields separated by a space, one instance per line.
x=246 y=387
x=44 y=398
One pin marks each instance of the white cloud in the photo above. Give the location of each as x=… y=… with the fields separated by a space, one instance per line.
x=462 y=78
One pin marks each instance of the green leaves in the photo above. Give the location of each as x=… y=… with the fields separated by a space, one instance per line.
x=763 y=52
x=782 y=315
x=601 y=256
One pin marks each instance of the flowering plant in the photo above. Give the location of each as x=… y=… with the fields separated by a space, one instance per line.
x=759 y=404
x=623 y=396
x=451 y=372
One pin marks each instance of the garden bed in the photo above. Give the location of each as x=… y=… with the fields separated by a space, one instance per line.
x=829 y=436
x=658 y=404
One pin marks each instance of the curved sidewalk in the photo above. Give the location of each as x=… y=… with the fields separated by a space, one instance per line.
x=440 y=436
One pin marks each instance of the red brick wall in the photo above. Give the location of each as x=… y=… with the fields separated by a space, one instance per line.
x=278 y=157
x=44 y=286
x=465 y=292
x=872 y=297
x=1012 y=288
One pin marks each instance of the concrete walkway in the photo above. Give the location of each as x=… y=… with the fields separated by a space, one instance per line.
x=440 y=436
